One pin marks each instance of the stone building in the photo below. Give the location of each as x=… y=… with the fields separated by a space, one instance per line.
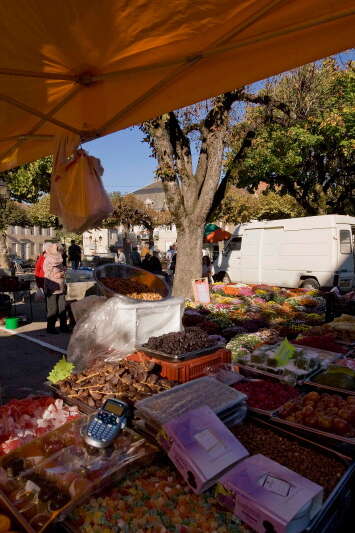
x=27 y=242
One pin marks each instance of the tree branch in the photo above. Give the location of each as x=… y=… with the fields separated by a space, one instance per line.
x=196 y=126
x=229 y=175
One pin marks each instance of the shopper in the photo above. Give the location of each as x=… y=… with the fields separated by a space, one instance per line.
x=74 y=255
x=206 y=268
x=120 y=256
x=64 y=255
x=136 y=258
x=155 y=263
x=39 y=273
x=54 y=288
x=144 y=251
x=146 y=262
x=170 y=254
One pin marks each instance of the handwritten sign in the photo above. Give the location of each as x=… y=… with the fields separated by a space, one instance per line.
x=201 y=290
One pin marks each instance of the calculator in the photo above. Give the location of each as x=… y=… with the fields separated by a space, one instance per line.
x=104 y=427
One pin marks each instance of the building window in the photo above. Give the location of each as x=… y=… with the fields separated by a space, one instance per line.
x=345 y=241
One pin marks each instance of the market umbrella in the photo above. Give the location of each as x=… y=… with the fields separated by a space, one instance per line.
x=209 y=228
x=218 y=235
x=91 y=68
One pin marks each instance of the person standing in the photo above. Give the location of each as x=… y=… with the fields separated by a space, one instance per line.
x=74 y=255
x=170 y=254
x=136 y=258
x=207 y=268
x=120 y=256
x=64 y=255
x=54 y=286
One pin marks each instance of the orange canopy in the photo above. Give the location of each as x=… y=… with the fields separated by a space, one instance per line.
x=94 y=67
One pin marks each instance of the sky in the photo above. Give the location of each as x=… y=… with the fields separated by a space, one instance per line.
x=126 y=159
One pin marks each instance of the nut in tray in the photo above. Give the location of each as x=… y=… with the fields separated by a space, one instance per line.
x=179 y=357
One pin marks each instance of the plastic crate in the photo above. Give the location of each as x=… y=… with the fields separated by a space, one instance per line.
x=186 y=370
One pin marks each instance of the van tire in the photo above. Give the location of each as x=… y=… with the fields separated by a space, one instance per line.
x=310 y=283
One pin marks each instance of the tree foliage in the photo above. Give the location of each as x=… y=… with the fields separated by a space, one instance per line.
x=40 y=214
x=13 y=215
x=309 y=152
x=28 y=182
x=239 y=206
x=130 y=211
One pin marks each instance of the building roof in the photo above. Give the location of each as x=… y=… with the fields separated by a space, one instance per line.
x=152 y=194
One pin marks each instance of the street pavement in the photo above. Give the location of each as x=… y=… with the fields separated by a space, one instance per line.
x=24 y=365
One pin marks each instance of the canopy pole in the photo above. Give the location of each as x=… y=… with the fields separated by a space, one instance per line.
x=31 y=74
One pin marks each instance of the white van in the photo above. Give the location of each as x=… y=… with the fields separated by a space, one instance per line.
x=296 y=252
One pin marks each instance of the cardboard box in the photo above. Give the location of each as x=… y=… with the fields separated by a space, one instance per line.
x=268 y=496
x=201 y=447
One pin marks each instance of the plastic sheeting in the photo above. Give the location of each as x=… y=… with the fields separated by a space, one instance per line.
x=110 y=325
x=91 y=68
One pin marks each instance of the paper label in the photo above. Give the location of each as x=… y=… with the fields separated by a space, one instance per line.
x=276 y=485
x=201 y=290
x=208 y=441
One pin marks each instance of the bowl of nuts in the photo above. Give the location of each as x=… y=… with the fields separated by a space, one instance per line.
x=130 y=283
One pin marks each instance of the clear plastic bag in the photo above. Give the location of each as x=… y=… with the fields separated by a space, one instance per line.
x=120 y=327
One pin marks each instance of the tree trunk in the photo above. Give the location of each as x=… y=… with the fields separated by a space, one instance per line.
x=4 y=258
x=189 y=257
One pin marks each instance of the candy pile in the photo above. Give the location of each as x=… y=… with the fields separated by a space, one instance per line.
x=23 y=420
x=150 y=501
x=266 y=395
x=253 y=307
x=131 y=288
x=327 y=412
x=343 y=327
x=310 y=462
x=322 y=341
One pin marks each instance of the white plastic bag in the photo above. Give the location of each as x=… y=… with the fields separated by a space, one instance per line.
x=78 y=197
x=120 y=327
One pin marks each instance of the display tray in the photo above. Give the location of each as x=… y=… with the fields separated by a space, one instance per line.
x=75 y=402
x=334 y=498
x=310 y=382
x=257 y=410
x=17 y=520
x=181 y=357
x=332 y=501
x=325 y=355
x=162 y=407
x=314 y=431
x=246 y=370
x=138 y=453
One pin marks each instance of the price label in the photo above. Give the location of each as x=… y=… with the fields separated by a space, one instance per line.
x=201 y=291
